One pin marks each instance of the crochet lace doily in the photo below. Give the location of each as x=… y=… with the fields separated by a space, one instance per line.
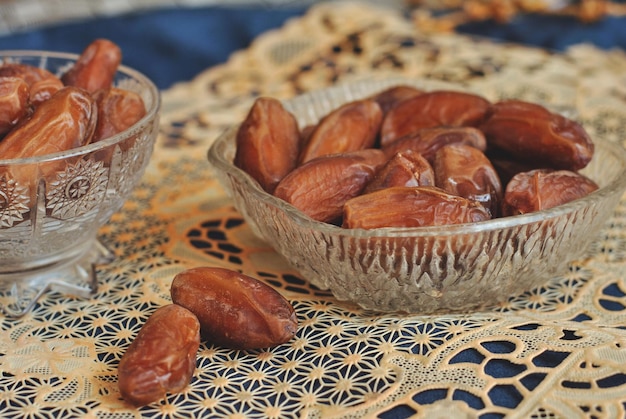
x=554 y=352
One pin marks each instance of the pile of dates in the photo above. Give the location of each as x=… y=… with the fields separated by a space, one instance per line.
x=42 y=113
x=404 y=157
x=222 y=306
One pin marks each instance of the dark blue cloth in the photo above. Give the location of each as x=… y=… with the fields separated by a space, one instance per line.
x=175 y=44
x=553 y=32
x=167 y=45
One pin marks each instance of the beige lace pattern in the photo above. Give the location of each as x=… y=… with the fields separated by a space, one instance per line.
x=556 y=352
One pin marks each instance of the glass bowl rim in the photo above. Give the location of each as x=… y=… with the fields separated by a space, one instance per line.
x=227 y=138
x=151 y=112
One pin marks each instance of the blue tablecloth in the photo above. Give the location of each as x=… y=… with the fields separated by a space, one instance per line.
x=554 y=32
x=174 y=44
x=167 y=45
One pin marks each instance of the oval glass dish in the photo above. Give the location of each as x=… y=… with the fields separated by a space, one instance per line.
x=52 y=206
x=422 y=270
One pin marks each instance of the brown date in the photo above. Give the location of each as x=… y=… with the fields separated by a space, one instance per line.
x=43 y=90
x=534 y=134
x=465 y=171
x=390 y=97
x=407 y=168
x=235 y=310
x=352 y=126
x=118 y=110
x=162 y=358
x=42 y=83
x=96 y=66
x=66 y=120
x=403 y=206
x=428 y=140
x=14 y=103
x=541 y=189
x=321 y=186
x=268 y=143
x=433 y=109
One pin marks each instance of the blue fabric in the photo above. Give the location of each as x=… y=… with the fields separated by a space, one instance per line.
x=553 y=32
x=167 y=45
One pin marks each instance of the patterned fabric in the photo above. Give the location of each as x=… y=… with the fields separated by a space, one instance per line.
x=555 y=352
x=451 y=13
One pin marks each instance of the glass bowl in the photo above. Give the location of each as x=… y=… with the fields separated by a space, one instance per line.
x=424 y=269
x=49 y=218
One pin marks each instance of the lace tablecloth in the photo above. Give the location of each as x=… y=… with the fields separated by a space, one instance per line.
x=555 y=352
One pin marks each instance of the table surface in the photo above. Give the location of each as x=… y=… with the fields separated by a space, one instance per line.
x=558 y=351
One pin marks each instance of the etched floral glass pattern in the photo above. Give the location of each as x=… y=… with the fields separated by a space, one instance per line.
x=51 y=207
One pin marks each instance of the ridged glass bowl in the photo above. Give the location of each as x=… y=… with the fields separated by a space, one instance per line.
x=425 y=269
x=49 y=220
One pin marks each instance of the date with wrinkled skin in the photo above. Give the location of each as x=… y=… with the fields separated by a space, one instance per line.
x=41 y=82
x=42 y=90
x=161 y=359
x=465 y=171
x=542 y=189
x=14 y=102
x=390 y=97
x=351 y=127
x=428 y=140
x=268 y=143
x=440 y=108
x=96 y=66
x=118 y=110
x=403 y=206
x=407 y=168
x=65 y=121
x=320 y=187
x=235 y=310
x=532 y=133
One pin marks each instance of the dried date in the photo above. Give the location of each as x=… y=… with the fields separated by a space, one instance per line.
x=235 y=310
x=320 y=187
x=96 y=66
x=162 y=357
x=465 y=171
x=433 y=109
x=14 y=102
x=65 y=121
x=351 y=127
x=407 y=168
x=118 y=110
x=403 y=206
x=390 y=97
x=268 y=143
x=534 y=134
x=428 y=140
x=42 y=83
x=542 y=189
x=52 y=117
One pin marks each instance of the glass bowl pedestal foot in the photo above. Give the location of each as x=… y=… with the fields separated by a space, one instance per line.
x=75 y=276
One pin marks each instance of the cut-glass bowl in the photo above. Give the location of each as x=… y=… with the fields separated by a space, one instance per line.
x=423 y=269
x=51 y=207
